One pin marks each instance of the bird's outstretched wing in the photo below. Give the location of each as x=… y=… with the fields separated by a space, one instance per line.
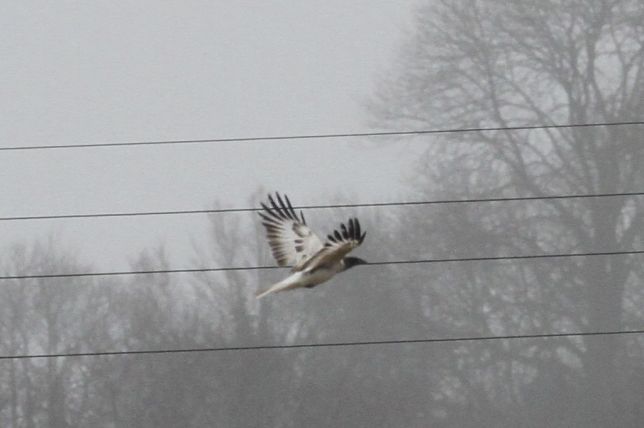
x=339 y=244
x=290 y=239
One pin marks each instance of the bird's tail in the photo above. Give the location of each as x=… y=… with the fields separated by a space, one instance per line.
x=286 y=284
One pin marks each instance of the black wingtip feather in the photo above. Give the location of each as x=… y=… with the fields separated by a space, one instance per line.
x=285 y=211
x=277 y=207
x=268 y=214
x=282 y=209
x=290 y=208
x=345 y=232
x=274 y=208
x=357 y=228
x=349 y=231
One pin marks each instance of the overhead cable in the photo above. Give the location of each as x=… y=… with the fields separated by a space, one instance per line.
x=322 y=345
x=318 y=136
x=253 y=268
x=311 y=207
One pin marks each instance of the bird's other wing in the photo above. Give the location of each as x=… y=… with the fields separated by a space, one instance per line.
x=290 y=239
x=340 y=243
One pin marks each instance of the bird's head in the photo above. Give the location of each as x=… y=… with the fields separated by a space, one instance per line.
x=350 y=262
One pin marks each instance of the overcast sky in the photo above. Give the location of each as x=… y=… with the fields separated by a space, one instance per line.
x=105 y=71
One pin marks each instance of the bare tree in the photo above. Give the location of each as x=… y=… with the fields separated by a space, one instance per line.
x=501 y=64
x=53 y=315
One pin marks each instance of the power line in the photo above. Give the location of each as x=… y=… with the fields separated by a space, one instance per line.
x=323 y=345
x=251 y=268
x=318 y=136
x=309 y=207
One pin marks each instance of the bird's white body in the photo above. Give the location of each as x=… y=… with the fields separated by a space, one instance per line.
x=306 y=278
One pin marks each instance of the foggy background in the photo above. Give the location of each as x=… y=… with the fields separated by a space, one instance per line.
x=77 y=73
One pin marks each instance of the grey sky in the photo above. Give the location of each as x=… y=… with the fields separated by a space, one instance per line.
x=87 y=72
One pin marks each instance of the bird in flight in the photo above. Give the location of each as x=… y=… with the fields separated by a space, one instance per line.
x=294 y=244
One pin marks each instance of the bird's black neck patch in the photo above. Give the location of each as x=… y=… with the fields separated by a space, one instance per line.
x=350 y=262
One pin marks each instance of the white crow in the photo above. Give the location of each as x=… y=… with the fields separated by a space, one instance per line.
x=294 y=244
